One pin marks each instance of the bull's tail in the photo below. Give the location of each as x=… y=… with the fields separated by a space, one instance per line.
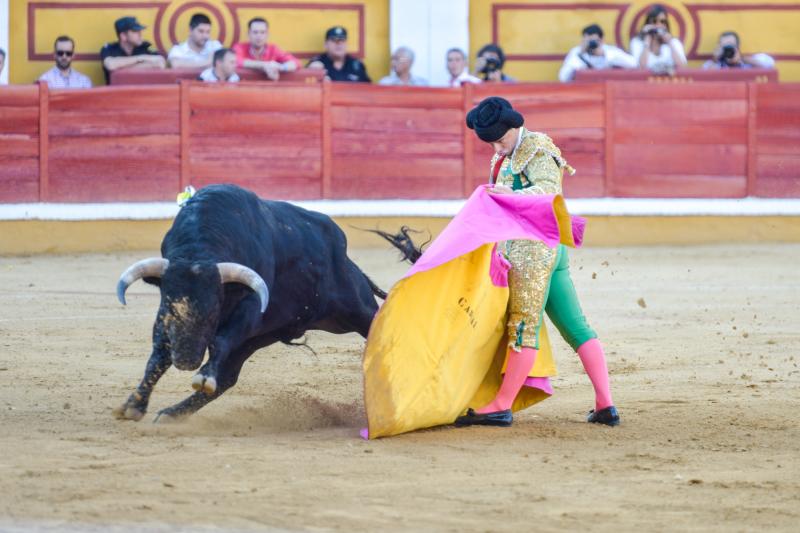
x=403 y=242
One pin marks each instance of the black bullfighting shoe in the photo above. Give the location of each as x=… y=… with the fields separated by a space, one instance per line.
x=497 y=418
x=608 y=416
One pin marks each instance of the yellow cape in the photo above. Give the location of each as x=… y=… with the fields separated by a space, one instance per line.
x=438 y=346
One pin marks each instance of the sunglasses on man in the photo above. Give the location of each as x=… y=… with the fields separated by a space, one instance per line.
x=67 y=53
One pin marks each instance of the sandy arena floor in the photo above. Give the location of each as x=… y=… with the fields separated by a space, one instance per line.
x=704 y=347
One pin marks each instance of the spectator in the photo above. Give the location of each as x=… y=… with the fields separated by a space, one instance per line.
x=130 y=51
x=655 y=48
x=2 y=60
x=62 y=75
x=728 y=55
x=260 y=55
x=223 y=67
x=402 y=61
x=490 y=64
x=198 y=49
x=457 y=67
x=338 y=64
x=593 y=53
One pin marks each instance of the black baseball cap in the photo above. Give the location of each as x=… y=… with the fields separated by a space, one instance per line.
x=336 y=33
x=127 y=24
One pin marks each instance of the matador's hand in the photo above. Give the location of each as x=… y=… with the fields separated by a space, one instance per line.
x=500 y=189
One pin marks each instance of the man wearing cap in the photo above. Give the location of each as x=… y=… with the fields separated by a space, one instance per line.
x=338 y=64
x=258 y=54
x=130 y=51
x=527 y=162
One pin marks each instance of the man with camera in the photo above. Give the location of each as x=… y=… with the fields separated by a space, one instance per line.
x=593 y=53
x=728 y=55
x=489 y=65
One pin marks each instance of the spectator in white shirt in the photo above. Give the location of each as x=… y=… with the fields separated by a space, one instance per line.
x=197 y=51
x=457 y=67
x=402 y=61
x=728 y=55
x=594 y=54
x=223 y=67
x=655 y=48
x=62 y=75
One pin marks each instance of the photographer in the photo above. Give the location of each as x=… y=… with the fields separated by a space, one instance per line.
x=489 y=65
x=593 y=53
x=727 y=54
x=655 y=48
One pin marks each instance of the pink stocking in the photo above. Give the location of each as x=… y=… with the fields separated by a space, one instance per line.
x=517 y=370
x=594 y=362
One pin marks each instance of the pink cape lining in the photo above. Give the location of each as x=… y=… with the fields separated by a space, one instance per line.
x=488 y=217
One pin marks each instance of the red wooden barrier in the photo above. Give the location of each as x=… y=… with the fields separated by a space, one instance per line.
x=777 y=140
x=19 y=144
x=308 y=141
x=387 y=142
x=683 y=75
x=114 y=144
x=268 y=141
x=678 y=140
x=175 y=75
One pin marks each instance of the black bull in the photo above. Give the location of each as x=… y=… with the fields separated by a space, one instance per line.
x=238 y=273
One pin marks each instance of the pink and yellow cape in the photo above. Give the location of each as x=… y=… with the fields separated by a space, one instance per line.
x=437 y=345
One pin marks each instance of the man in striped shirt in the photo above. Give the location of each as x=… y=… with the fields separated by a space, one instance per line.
x=62 y=75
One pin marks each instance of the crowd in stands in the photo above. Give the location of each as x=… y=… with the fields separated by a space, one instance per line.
x=654 y=48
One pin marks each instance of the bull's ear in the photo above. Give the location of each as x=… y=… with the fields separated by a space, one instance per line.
x=152 y=281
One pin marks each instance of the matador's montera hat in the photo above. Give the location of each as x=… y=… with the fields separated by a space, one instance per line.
x=492 y=118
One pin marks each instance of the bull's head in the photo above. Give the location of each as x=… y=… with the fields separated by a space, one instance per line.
x=191 y=300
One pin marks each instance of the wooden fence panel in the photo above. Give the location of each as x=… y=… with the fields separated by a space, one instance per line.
x=267 y=138
x=660 y=141
x=114 y=144
x=300 y=141
x=19 y=144
x=777 y=140
x=391 y=142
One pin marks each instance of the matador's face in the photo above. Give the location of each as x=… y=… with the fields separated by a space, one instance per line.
x=506 y=144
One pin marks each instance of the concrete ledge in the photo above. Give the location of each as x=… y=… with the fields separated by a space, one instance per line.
x=422 y=208
x=23 y=237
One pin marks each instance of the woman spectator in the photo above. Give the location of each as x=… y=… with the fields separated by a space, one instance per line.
x=655 y=48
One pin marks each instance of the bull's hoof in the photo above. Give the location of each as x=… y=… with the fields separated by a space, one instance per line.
x=127 y=412
x=206 y=384
x=166 y=417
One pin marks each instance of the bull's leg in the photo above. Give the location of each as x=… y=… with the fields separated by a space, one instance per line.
x=242 y=324
x=136 y=405
x=228 y=375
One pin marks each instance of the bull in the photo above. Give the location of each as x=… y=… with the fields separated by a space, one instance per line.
x=237 y=274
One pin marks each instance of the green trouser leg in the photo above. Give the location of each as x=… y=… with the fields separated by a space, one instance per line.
x=562 y=304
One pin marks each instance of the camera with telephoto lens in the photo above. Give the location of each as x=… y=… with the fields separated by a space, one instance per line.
x=728 y=51
x=655 y=31
x=492 y=64
x=592 y=45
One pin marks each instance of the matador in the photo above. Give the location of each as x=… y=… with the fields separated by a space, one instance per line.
x=528 y=162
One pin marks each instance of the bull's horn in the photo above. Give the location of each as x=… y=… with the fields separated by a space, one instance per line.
x=234 y=272
x=153 y=267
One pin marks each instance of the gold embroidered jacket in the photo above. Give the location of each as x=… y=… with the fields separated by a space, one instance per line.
x=535 y=167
